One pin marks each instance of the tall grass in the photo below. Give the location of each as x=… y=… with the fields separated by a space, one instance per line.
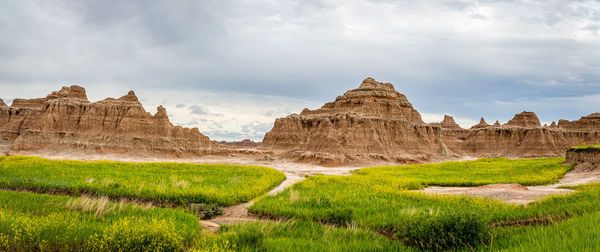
x=298 y=236
x=30 y=222
x=172 y=183
x=575 y=234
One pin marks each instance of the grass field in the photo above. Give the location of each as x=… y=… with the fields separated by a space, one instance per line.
x=298 y=236
x=327 y=213
x=31 y=222
x=379 y=199
x=473 y=173
x=171 y=183
x=575 y=234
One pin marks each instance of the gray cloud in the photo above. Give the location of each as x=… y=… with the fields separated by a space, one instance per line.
x=197 y=110
x=455 y=57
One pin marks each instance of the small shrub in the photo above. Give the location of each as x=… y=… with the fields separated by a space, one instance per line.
x=447 y=229
x=206 y=211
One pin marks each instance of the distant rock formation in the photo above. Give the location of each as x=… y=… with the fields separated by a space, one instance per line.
x=376 y=123
x=586 y=123
x=481 y=124
x=524 y=119
x=65 y=120
x=246 y=143
x=449 y=123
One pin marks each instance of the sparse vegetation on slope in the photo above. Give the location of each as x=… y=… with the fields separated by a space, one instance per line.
x=31 y=222
x=170 y=183
x=587 y=147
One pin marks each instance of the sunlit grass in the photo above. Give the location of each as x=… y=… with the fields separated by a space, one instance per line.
x=172 y=183
x=380 y=198
x=30 y=222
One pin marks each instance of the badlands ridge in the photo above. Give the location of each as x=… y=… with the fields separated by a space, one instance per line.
x=371 y=124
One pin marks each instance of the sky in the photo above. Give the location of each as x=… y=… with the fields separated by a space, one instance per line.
x=230 y=68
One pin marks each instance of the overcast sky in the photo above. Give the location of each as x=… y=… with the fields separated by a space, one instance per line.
x=231 y=67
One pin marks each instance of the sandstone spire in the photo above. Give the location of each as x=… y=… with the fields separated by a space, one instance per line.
x=2 y=104
x=449 y=123
x=481 y=124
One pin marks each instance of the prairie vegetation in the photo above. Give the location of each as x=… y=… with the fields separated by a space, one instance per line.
x=165 y=183
x=381 y=200
x=373 y=209
x=31 y=222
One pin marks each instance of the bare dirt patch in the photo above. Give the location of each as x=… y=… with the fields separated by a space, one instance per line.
x=518 y=194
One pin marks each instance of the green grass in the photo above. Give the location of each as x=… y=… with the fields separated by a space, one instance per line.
x=379 y=199
x=575 y=234
x=298 y=236
x=31 y=221
x=586 y=147
x=169 y=183
x=475 y=172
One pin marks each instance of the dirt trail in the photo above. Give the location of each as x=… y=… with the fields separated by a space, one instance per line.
x=515 y=193
x=239 y=213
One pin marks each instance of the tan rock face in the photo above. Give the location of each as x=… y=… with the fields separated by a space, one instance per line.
x=525 y=120
x=584 y=159
x=371 y=122
x=375 y=122
x=371 y=99
x=586 y=123
x=65 y=119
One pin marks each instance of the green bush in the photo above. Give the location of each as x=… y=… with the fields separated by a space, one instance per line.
x=445 y=229
x=206 y=211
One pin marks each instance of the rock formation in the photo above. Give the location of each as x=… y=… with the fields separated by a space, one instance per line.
x=449 y=123
x=376 y=123
x=525 y=120
x=586 y=123
x=481 y=124
x=584 y=159
x=372 y=122
x=65 y=120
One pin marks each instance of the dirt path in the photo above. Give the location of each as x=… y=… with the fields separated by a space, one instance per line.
x=518 y=194
x=239 y=213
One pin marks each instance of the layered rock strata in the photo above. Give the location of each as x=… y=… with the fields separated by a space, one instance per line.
x=65 y=120
x=584 y=159
x=376 y=123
